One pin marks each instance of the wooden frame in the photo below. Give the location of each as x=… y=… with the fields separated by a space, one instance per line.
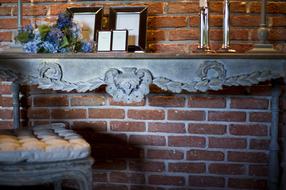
x=134 y=19
x=84 y=17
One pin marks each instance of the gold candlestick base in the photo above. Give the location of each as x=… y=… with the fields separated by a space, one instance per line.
x=226 y=50
x=203 y=50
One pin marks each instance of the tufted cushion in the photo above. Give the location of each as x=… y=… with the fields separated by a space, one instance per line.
x=41 y=144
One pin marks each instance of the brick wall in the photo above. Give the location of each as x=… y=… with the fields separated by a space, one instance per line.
x=217 y=140
x=172 y=25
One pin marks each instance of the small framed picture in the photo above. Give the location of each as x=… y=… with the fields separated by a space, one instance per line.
x=119 y=40
x=104 y=40
x=89 y=19
x=133 y=19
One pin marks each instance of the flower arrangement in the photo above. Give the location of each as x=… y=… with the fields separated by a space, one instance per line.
x=62 y=37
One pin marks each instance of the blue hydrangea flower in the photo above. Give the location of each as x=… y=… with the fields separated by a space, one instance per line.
x=64 y=20
x=75 y=31
x=28 y=28
x=50 y=47
x=31 y=47
x=55 y=37
x=87 y=47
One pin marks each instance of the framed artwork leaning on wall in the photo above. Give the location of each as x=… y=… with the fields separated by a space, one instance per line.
x=133 y=19
x=89 y=19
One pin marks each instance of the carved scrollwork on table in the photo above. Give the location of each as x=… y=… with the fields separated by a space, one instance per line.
x=131 y=84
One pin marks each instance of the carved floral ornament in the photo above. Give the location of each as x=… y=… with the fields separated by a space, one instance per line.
x=132 y=84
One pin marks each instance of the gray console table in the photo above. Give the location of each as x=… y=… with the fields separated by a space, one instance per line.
x=128 y=76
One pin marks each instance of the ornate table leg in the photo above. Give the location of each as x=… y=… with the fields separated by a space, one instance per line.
x=274 y=147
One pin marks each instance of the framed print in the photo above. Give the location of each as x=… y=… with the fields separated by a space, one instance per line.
x=119 y=40
x=104 y=40
x=89 y=19
x=133 y=19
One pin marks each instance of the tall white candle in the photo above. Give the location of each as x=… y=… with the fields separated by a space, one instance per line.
x=203 y=3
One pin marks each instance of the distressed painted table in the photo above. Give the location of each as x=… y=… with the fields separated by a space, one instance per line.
x=128 y=76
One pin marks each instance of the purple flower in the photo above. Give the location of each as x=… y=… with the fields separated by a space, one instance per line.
x=28 y=28
x=87 y=47
x=64 y=21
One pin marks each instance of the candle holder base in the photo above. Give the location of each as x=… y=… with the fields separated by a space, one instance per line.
x=226 y=50
x=203 y=50
x=263 y=48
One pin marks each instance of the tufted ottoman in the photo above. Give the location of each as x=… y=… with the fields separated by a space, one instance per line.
x=44 y=154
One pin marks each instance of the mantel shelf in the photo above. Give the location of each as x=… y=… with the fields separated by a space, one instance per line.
x=127 y=76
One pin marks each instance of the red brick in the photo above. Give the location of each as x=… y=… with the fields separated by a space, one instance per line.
x=227 y=169
x=99 y=177
x=247 y=183
x=186 y=141
x=260 y=116
x=5 y=114
x=216 y=20
x=277 y=34
x=219 y=142
x=206 y=181
x=258 y=170
x=147 y=140
x=114 y=103
x=6 y=102
x=68 y=113
x=110 y=165
x=106 y=113
x=251 y=157
x=120 y=177
x=198 y=128
x=167 y=127
x=6 y=125
x=238 y=34
x=187 y=167
x=155 y=8
x=245 y=21
x=237 y=7
x=146 y=166
x=5 y=36
x=166 y=180
x=183 y=34
x=272 y=7
x=88 y=100
x=182 y=7
x=5 y=11
x=278 y=21
x=249 y=130
x=157 y=35
x=39 y=113
x=50 y=101
x=216 y=7
x=165 y=154
x=216 y=34
x=36 y=10
x=94 y=125
x=56 y=9
x=186 y=115
x=259 y=144
x=169 y=48
x=206 y=102
x=11 y=23
x=146 y=114
x=194 y=21
x=5 y=89
x=249 y=103
x=205 y=155
x=226 y=116
x=167 y=21
x=167 y=101
x=127 y=126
